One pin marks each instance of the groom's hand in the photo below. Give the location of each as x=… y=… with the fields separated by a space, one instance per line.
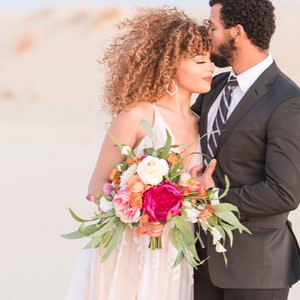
x=205 y=178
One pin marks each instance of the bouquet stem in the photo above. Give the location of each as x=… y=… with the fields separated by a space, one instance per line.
x=155 y=243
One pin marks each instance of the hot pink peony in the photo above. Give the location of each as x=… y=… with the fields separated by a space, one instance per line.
x=160 y=200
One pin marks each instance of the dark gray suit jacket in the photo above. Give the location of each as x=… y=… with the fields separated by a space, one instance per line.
x=259 y=150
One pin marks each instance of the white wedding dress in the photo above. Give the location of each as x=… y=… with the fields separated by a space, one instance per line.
x=133 y=271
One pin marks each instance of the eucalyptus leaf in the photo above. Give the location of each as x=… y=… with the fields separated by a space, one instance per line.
x=87 y=230
x=114 y=240
x=104 y=228
x=167 y=146
x=147 y=127
x=93 y=243
x=227 y=185
x=228 y=229
x=75 y=217
x=184 y=228
x=115 y=141
x=230 y=218
x=73 y=235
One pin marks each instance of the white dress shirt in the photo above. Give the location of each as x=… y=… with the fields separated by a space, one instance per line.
x=245 y=80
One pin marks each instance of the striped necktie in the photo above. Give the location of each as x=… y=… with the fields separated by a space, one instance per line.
x=220 y=118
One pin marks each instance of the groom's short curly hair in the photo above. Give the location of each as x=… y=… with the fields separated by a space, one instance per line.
x=256 y=16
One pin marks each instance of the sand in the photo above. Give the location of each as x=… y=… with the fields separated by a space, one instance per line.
x=51 y=128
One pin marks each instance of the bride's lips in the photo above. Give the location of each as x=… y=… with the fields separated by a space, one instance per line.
x=208 y=78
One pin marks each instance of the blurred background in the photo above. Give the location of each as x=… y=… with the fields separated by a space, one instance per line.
x=52 y=126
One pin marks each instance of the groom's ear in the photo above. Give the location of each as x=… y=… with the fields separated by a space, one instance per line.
x=239 y=32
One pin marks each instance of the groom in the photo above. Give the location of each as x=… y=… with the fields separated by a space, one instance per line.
x=259 y=150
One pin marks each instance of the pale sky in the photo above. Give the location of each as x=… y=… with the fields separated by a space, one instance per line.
x=36 y=4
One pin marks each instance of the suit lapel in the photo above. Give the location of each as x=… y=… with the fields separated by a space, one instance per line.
x=254 y=94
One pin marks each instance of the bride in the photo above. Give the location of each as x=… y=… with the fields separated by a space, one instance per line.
x=159 y=59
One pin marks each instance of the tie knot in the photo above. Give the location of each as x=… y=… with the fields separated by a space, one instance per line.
x=232 y=83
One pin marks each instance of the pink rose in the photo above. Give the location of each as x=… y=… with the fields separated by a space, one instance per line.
x=123 y=209
x=160 y=200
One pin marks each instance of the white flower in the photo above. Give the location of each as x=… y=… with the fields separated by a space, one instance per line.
x=105 y=205
x=220 y=248
x=152 y=169
x=127 y=174
x=192 y=212
x=126 y=150
x=216 y=235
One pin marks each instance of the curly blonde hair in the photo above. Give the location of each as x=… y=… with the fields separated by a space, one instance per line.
x=144 y=58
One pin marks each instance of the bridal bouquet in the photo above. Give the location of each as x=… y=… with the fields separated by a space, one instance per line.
x=154 y=188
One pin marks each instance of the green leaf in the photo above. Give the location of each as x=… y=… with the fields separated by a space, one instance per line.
x=115 y=141
x=167 y=146
x=179 y=258
x=228 y=229
x=87 y=230
x=231 y=219
x=227 y=185
x=114 y=240
x=184 y=228
x=75 y=217
x=147 y=127
x=73 y=235
x=105 y=227
x=224 y=207
x=108 y=214
x=93 y=243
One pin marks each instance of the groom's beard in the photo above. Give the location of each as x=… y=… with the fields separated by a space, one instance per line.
x=224 y=54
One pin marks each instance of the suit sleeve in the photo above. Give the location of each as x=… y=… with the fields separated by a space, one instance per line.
x=279 y=192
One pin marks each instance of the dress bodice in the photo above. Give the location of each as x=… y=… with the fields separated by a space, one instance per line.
x=160 y=136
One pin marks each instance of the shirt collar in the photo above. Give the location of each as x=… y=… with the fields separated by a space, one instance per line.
x=248 y=77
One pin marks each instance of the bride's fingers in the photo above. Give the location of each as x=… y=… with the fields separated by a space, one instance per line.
x=155 y=229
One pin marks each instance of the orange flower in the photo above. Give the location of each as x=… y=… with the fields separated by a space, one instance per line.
x=113 y=174
x=132 y=160
x=201 y=192
x=136 y=200
x=141 y=230
x=144 y=219
x=172 y=158
x=135 y=185
x=207 y=212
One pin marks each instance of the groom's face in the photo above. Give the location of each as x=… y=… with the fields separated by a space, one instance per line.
x=223 y=47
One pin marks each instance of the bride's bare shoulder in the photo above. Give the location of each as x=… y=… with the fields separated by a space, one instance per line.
x=142 y=110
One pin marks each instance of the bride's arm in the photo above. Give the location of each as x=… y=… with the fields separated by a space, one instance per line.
x=127 y=130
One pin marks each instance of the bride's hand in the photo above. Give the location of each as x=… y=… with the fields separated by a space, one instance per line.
x=155 y=229
x=205 y=178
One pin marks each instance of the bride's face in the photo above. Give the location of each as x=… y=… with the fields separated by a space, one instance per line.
x=194 y=75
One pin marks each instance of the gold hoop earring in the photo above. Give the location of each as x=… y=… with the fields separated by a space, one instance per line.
x=175 y=89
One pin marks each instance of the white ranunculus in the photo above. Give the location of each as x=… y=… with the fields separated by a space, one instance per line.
x=105 y=205
x=127 y=174
x=152 y=169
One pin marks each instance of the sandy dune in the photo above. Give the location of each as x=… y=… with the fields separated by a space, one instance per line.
x=51 y=128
